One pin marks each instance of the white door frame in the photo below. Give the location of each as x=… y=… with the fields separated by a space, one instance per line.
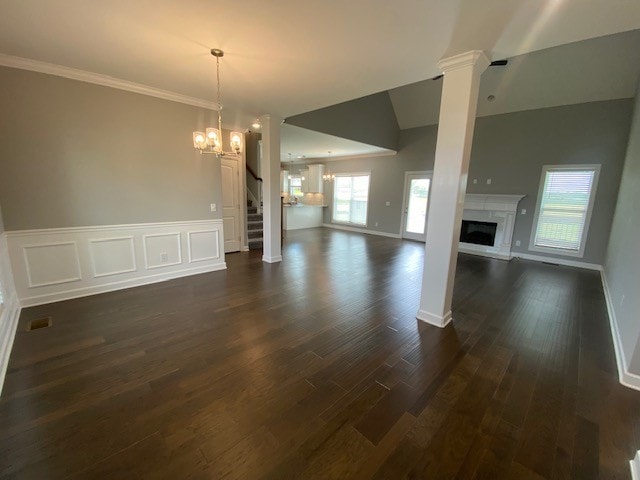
x=426 y=173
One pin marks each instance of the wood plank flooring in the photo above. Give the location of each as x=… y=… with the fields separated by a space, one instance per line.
x=317 y=368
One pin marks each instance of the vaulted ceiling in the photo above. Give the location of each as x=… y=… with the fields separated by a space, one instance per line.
x=287 y=57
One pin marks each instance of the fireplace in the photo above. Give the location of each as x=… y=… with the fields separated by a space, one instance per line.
x=487 y=224
x=478 y=233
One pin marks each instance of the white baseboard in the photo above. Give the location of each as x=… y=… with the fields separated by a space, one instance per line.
x=559 y=261
x=274 y=259
x=433 y=319
x=470 y=251
x=360 y=230
x=635 y=467
x=120 y=285
x=8 y=326
x=626 y=378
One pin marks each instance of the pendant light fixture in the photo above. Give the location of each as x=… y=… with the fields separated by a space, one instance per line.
x=328 y=177
x=210 y=141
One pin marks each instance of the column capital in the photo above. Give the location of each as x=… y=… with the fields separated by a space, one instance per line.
x=475 y=58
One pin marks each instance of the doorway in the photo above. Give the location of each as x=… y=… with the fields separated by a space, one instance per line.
x=231 y=204
x=417 y=186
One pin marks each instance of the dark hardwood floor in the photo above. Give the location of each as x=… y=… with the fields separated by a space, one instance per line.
x=317 y=368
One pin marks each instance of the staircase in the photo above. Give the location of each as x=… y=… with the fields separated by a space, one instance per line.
x=254 y=228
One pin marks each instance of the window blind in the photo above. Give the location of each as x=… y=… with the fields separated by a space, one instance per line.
x=350 y=199
x=563 y=208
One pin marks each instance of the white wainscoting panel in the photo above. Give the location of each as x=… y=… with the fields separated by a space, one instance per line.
x=112 y=256
x=51 y=263
x=9 y=308
x=162 y=250
x=57 y=264
x=204 y=245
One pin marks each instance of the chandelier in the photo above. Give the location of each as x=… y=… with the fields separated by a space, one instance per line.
x=328 y=176
x=210 y=141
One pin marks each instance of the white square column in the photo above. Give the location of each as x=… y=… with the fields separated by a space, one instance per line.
x=270 y=170
x=453 y=149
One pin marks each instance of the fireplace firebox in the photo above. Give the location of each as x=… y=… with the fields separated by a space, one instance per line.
x=479 y=233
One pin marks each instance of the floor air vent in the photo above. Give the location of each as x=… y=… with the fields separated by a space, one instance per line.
x=39 y=323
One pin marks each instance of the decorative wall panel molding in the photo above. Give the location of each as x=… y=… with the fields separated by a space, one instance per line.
x=51 y=263
x=203 y=245
x=112 y=256
x=57 y=264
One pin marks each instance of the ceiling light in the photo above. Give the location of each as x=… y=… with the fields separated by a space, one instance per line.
x=210 y=141
x=328 y=177
x=256 y=124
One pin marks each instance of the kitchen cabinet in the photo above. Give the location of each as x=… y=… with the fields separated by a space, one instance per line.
x=305 y=180
x=316 y=182
x=284 y=181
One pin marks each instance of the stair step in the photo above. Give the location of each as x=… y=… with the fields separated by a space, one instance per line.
x=255 y=244
x=254 y=225
x=254 y=234
x=252 y=210
x=254 y=217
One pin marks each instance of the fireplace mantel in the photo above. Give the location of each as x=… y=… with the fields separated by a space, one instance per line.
x=499 y=209
x=495 y=203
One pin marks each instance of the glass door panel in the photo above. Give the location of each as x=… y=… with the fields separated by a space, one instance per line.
x=416 y=206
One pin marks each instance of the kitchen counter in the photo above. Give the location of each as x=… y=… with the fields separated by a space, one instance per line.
x=297 y=216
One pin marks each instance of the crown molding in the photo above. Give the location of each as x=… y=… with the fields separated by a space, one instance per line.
x=337 y=158
x=475 y=58
x=99 y=79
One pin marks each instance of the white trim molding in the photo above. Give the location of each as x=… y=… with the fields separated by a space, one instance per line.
x=360 y=230
x=128 y=256
x=559 y=261
x=433 y=319
x=625 y=377
x=275 y=259
x=9 y=308
x=100 y=79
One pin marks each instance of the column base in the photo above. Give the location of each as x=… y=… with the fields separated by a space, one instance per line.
x=276 y=259
x=433 y=319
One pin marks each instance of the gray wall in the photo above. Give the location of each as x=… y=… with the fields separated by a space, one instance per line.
x=369 y=119
x=622 y=265
x=511 y=150
x=77 y=154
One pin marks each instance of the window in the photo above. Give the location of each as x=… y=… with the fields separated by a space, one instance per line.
x=350 y=198
x=295 y=186
x=565 y=201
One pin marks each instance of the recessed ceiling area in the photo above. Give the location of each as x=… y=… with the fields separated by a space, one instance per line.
x=285 y=58
x=604 y=68
x=299 y=142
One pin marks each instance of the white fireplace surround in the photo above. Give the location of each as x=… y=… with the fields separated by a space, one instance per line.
x=500 y=209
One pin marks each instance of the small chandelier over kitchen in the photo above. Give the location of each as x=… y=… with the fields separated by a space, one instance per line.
x=210 y=141
x=328 y=177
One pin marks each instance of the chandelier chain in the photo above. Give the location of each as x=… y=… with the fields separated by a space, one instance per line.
x=218 y=99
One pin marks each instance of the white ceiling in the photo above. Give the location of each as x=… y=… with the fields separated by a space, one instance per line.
x=603 y=68
x=287 y=57
x=299 y=141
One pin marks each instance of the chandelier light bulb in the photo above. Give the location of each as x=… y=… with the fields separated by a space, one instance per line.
x=236 y=142
x=199 y=140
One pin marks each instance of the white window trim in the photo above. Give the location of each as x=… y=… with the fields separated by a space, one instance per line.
x=333 y=199
x=587 y=221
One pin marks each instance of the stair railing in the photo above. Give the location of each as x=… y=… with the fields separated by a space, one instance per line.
x=259 y=181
